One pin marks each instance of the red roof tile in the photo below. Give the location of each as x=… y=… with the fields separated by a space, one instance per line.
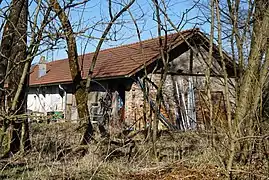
x=114 y=62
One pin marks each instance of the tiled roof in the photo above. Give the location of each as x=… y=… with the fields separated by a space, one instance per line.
x=113 y=62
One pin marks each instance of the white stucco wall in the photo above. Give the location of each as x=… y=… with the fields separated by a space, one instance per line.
x=46 y=101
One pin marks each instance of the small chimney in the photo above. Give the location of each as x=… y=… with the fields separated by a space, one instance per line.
x=42 y=67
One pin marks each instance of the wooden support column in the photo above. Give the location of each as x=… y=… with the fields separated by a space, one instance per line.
x=191 y=61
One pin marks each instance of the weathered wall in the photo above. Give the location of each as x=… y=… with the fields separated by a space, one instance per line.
x=42 y=100
x=71 y=109
x=49 y=98
x=174 y=86
x=98 y=90
x=45 y=99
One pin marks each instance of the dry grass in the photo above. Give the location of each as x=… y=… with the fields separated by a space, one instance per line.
x=55 y=155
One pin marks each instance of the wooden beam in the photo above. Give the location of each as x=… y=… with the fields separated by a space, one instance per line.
x=191 y=61
x=190 y=74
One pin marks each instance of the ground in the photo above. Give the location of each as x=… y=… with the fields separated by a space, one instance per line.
x=56 y=155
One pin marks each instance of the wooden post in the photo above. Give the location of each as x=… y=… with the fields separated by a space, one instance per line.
x=191 y=61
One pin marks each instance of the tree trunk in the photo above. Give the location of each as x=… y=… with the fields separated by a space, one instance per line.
x=17 y=95
x=78 y=84
x=165 y=60
x=7 y=40
x=249 y=97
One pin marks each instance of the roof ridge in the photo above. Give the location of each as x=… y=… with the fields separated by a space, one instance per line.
x=124 y=45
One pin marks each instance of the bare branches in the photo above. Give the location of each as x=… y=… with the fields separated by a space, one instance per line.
x=106 y=31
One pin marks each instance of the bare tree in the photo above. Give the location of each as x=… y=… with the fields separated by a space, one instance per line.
x=13 y=48
x=245 y=26
x=82 y=90
x=14 y=111
x=226 y=91
x=113 y=19
x=78 y=83
x=164 y=56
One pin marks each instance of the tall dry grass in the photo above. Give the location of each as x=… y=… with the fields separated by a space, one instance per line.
x=56 y=155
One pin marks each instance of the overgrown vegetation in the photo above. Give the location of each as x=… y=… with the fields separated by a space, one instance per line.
x=235 y=149
x=180 y=156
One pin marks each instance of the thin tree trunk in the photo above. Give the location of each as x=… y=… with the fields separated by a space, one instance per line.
x=99 y=45
x=227 y=96
x=97 y=50
x=145 y=91
x=208 y=72
x=165 y=59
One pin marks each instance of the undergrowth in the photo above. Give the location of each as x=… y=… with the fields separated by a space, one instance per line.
x=55 y=154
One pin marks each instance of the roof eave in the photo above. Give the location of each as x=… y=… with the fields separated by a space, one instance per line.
x=132 y=73
x=70 y=82
x=50 y=84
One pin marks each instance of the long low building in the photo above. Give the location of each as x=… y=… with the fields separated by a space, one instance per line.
x=121 y=75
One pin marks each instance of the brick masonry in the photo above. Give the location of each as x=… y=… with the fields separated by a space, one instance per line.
x=134 y=97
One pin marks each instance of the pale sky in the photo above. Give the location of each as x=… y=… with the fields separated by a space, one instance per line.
x=84 y=17
x=96 y=10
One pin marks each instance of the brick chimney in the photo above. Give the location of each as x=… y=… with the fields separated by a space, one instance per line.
x=42 y=67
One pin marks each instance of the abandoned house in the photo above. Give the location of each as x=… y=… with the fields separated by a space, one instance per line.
x=130 y=74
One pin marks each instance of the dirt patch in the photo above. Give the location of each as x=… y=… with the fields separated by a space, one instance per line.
x=175 y=171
